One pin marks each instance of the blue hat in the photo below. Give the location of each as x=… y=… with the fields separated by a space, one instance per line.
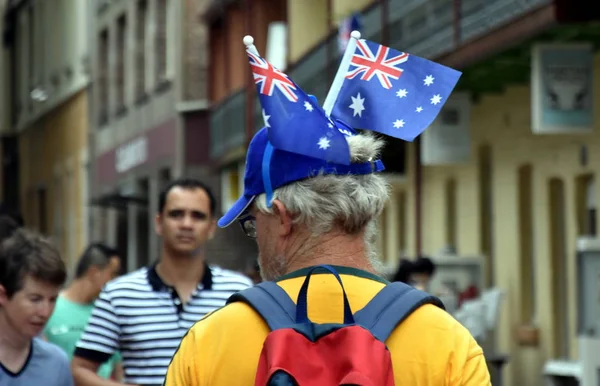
x=268 y=168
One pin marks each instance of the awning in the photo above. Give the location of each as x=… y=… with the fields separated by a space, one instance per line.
x=119 y=201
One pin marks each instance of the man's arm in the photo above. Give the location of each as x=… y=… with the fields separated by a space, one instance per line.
x=118 y=374
x=469 y=367
x=180 y=371
x=99 y=341
x=85 y=373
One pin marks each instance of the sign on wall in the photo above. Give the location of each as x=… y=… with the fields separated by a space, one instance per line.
x=562 y=88
x=448 y=140
x=131 y=154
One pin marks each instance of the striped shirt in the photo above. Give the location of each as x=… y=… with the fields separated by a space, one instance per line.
x=143 y=318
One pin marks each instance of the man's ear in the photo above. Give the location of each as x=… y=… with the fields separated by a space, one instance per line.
x=158 y=224
x=213 y=229
x=284 y=216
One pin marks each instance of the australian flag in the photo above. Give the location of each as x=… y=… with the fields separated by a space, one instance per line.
x=392 y=92
x=296 y=122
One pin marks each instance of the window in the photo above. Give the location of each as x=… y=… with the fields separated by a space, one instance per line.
x=32 y=55
x=103 y=64
x=451 y=220
x=586 y=205
x=161 y=40
x=140 y=46
x=486 y=210
x=85 y=196
x=121 y=54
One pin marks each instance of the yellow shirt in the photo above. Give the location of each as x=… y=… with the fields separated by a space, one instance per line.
x=430 y=348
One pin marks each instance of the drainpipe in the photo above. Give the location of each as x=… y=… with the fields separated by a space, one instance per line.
x=250 y=88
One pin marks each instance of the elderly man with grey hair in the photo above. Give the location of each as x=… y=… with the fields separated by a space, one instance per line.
x=311 y=218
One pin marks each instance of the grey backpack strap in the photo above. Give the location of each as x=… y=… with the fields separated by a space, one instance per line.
x=394 y=303
x=271 y=302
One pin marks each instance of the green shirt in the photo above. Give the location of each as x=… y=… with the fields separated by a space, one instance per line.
x=66 y=325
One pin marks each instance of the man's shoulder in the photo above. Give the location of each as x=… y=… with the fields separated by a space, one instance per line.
x=439 y=327
x=227 y=319
x=225 y=279
x=137 y=279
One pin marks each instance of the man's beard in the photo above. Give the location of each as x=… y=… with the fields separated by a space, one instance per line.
x=271 y=268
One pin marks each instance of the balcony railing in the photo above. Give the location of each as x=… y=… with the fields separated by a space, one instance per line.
x=228 y=124
x=421 y=27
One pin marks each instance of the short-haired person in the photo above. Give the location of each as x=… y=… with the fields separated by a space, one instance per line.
x=32 y=273
x=97 y=265
x=422 y=272
x=417 y=273
x=145 y=313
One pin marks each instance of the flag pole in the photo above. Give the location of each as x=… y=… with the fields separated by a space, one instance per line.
x=249 y=43
x=336 y=86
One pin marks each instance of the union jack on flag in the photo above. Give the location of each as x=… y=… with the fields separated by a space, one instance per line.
x=269 y=78
x=399 y=102
x=295 y=122
x=369 y=65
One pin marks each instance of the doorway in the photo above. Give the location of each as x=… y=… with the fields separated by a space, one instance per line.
x=558 y=256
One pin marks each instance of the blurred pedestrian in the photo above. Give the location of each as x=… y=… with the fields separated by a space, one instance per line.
x=32 y=273
x=423 y=270
x=145 y=313
x=404 y=272
x=97 y=265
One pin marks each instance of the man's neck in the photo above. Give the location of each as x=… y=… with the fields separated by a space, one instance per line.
x=333 y=249
x=175 y=270
x=78 y=292
x=11 y=342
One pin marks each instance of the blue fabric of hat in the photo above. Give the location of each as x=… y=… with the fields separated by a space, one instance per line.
x=268 y=168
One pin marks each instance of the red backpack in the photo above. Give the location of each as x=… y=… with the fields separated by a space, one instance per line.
x=298 y=352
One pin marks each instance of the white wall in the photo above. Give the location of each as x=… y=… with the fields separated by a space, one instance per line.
x=59 y=55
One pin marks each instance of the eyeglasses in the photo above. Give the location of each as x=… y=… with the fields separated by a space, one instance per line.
x=248 y=224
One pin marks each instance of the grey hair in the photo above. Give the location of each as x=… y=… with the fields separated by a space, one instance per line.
x=351 y=203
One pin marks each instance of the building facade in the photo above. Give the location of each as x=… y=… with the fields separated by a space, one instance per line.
x=49 y=75
x=149 y=118
x=495 y=189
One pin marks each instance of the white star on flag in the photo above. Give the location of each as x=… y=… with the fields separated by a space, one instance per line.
x=401 y=93
x=308 y=106
x=436 y=99
x=357 y=105
x=428 y=81
x=419 y=109
x=399 y=123
x=266 y=118
x=323 y=143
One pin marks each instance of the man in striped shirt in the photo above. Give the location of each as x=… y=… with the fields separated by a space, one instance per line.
x=145 y=314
